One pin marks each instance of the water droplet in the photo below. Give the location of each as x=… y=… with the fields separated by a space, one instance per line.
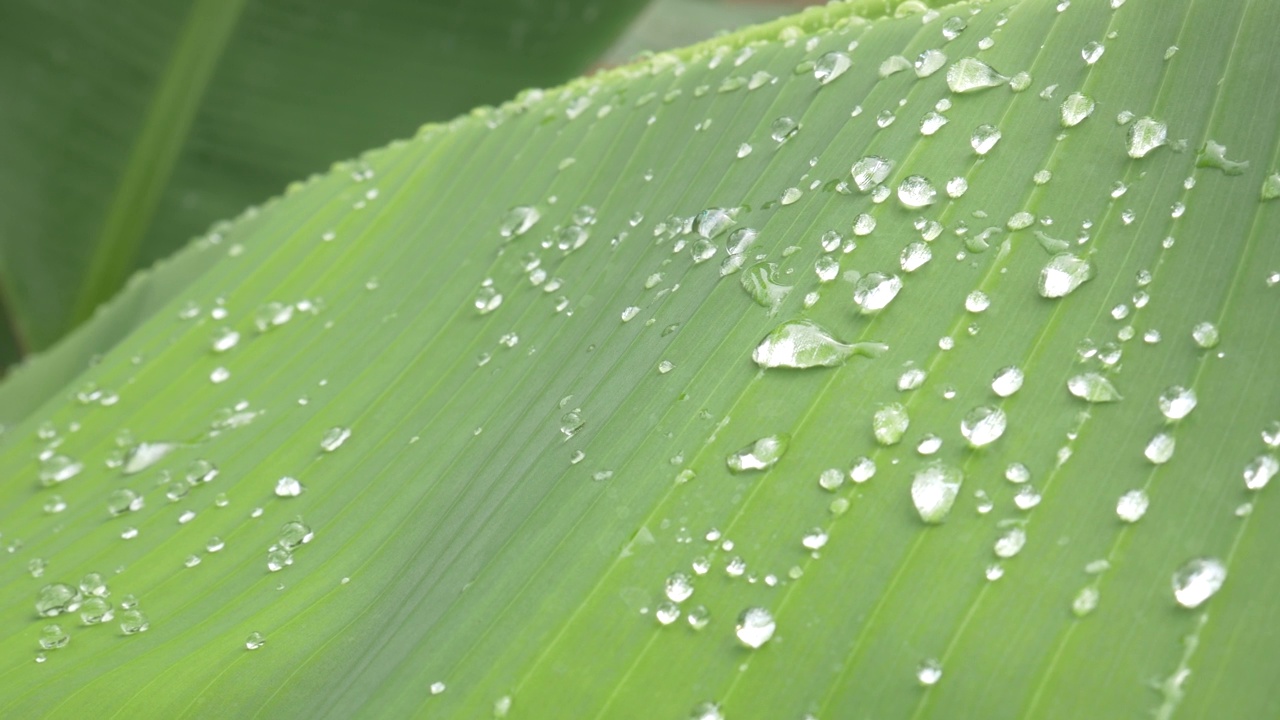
x=295 y=533
x=862 y=470
x=333 y=438
x=759 y=455
x=487 y=299
x=1271 y=434
x=815 y=539
x=1085 y=602
x=224 y=339
x=438 y=687
x=678 y=587
x=952 y=27
x=713 y=222
x=1271 y=186
x=1091 y=52
x=914 y=256
x=1093 y=387
x=124 y=500
x=706 y=711
x=929 y=672
x=761 y=283
x=288 y=487
x=1259 y=471
x=665 y=367
x=984 y=138
x=916 y=192
x=133 y=621
x=957 y=187
x=755 y=627
x=1063 y=274
x=983 y=425
x=1026 y=498
x=1205 y=334
x=971 y=74
x=58 y=468
x=977 y=301
x=56 y=598
x=1146 y=134
x=1007 y=381
x=96 y=610
x=831 y=479
x=831 y=66
x=1160 y=448
x=870 y=171
x=805 y=344
x=1214 y=155
x=911 y=378
x=929 y=62
x=890 y=423
x=934 y=489
x=874 y=291
x=1132 y=506
x=1010 y=543
x=1197 y=581
x=52 y=637
x=1017 y=473
x=1176 y=402
x=783 y=129
x=929 y=444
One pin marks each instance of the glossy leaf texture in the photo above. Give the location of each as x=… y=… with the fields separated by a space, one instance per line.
x=529 y=371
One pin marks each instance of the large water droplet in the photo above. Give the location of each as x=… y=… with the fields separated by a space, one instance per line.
x=916 y=191
x=1132 y=506
x=1260 y=470
x=874 y=291
x=805 y=344
x=983 y=425
x=1160 y=448
x=1197 y=581
x=1076 y=108
x=755 y=627
x=1063 y=274
x=1146 y=134
x=783 y=129
x=518 y=220
x=870 y=171
x=1093 y=387
x=934 y=489
x=1176 y=402
x=890 y=423
x=984 y=138
x=1007 y=381
x=759 y=455
x=929 y=62
x=929 y=672
x=831 y=66
x=971 y=74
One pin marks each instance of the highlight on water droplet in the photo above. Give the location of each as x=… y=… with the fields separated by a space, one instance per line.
x=934 y=489
x=1160 y=448
x=1259 y=471
x=288 y=487
x=518 y=220
x=759 y=455
x=984 y=138
x=1198 y=580
x=755 y=627
x=1093 y=387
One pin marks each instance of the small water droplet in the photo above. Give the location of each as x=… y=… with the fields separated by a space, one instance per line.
x=1176 y=402
x=831 y=66
x=1007 y=381
x=52 y=637
x=1085 y=601
x=911 y=378
x=1091 y=52
x=1160 y=448
x=874 y=291
x=288 y=487
x=870 y=171
x=984 y=138
x=1010 y=543
x=805 y=344
x=133 y=621
x=333 y=438
x=916 y=191
x=1132 y=506
x=1093 y=387
x=1259 y=471
x=983 y=425
x=783 y=129
x=929 y=672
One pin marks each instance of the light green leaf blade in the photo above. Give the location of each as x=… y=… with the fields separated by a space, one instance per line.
x=127 y=130
x=520 y=485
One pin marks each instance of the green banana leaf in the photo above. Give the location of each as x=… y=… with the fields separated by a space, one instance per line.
x=127 y=128
x=523 y=379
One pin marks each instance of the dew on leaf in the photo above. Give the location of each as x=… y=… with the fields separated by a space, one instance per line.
x=916 y=191
x=890 y=423
x=1063 y=274
x=1176 y=402
x=805 y=344
x=870 y=171
x=983 y=425
x=984 y=138
x=759 y=455
x=874 y=291
x=1010 y=543
x=1259 y=471
x=1198 y=580
x=755 y=627
x=971 y=74
x=929 y=672
x=831 y=66
x=934 y=489
x=1132 y=506
x=1093 y=387
x=1160 y=448
x=1146 y=134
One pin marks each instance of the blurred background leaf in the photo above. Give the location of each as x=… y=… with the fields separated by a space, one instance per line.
x=128 y=126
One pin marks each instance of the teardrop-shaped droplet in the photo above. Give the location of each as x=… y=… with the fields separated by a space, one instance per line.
x=1093 y=387
x=934 y=489
x=971 y=74
x=1146 y=134
x=1063 y=274
x=1076 y=108
x=805 y=344
x=831 y=66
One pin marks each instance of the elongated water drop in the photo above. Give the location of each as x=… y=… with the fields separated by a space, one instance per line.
x=805 y=344
x=759 y=455
x=1010 y=543
x=1093 y=387
x=1063 y=274
x=333 y=438
x=983 y=425
x=831 y=66
x=929 y=62
x=971 y=74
